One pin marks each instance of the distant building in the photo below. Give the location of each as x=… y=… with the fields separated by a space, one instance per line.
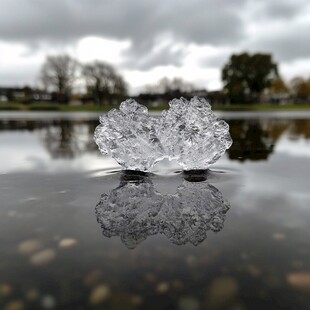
x=3 y=98
x=12 y=94
x=218 y=97
x=154 y=100
x=198 y=92
x=276 y=98
x=39 y=95
x=151 y=100
x=23 y=94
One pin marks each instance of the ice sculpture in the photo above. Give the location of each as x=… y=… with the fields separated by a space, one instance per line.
x=135 y=210
x=191 y=133
x=129 y=136
x=188 y=132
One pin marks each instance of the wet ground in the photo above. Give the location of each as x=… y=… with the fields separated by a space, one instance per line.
x=77 y=233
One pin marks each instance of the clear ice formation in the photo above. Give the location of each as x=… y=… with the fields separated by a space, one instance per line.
x=188 y=132
x=129 y=136
x=135 y=210
x=191 y=133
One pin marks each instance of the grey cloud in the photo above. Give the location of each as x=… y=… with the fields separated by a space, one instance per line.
x=17 y=77
x=193 y=21
x=282 y=9
x=211 y=22
x=63 y=21
x=288 y=44
x=216 y=61
x=198 y=21
x=164 y=57
x=293 y=44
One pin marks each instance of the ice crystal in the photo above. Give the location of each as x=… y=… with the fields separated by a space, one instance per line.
x=188 y=132
x=191 y=133
x=129 y=136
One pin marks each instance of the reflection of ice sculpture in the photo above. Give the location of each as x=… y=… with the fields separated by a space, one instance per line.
x=188 y=132
x=135 y=210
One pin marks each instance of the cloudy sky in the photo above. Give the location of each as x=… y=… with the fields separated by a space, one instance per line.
x=149 y=39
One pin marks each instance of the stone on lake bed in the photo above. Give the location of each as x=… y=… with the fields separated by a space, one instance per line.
x=136 y=300
x=43 y=257
x=67 y=243
x=99 y=294
x=222 y=292
x=162 y=287
x=299 y=280
x=93 y=277
x=32 y=294
x=5 y=289
x=48 y=302
x=253 y=271
x=30 y=246
x=188 y=303
x=14 y=305
x=278 y=236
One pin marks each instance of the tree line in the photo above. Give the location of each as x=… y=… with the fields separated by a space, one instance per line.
x=246 y=78
x=103 y=83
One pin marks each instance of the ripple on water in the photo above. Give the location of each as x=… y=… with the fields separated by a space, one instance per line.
x=217 y=173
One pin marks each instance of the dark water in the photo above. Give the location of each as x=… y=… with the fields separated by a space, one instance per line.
x=77 y=233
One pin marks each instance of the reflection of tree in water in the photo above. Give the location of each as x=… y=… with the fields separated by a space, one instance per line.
x=300 y=128
x=62 y=138
x=276 y=128
x=91 y=146
x=68 y=139
x=251 y=141
x=59 y=140
x=18 y=125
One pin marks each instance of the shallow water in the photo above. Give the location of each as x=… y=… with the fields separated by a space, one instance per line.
x=236 y=238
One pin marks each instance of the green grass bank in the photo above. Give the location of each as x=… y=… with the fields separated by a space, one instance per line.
x=91 y=108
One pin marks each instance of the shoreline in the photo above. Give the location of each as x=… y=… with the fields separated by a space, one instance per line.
x=55 y=107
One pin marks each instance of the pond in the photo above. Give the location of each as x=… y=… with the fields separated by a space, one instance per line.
x=77 y=233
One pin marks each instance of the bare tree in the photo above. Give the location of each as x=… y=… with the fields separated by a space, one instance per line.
x=103 y=82
x=179 y=85
x=58 y=73
x=173 y=86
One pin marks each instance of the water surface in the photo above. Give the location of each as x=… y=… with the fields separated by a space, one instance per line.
x=248 y=248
